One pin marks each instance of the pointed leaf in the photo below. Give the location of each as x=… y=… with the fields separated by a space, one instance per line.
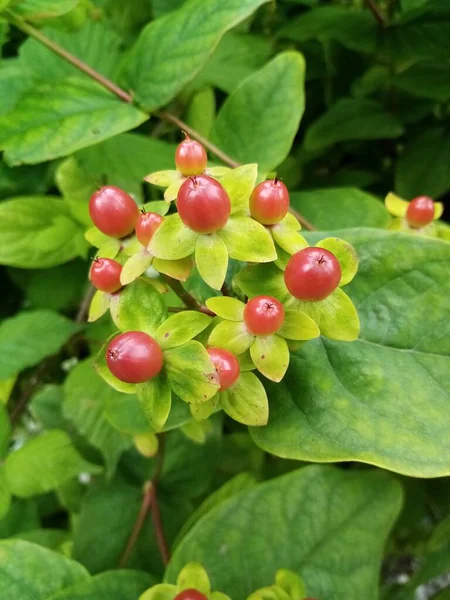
x=262 y=279
x=171 y=192
x=180 y=328
x=155 y=397
x=139 y=307
x=346 y=255
x=239 y=184
x=177 y=269
x=248 y=240
x=99 y=305
x=203 y=411
x=291 y=583
x=396 y=205
x=191 y=372
x=157 y=206
x=193 y=576
x=438 y=210
x=173 y=240
x=135 y=266
x=163 y=178
x=110 y=249
x=95 y=237
x=226 y=307
x=162 y=591
x=270 y=354
x=231 y=335
x=246 y=401
x=211 y=258
x=291 y=241
x=298 y=325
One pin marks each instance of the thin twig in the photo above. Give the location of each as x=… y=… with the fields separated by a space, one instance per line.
x=85 y=304
x=376 y=12
x=149 y=502
x=302 y=220
x=32 y=385
x=185 y=296
x=225 y=290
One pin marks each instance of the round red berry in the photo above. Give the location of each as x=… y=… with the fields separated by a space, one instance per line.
x=203 y=204
x=190 y=594
x=420 y=211
x=263 y=315
x=113 y=211
x=227 y=367
x=190 y=157
x=134 y=357
x=269 y=202
x=105 y=275
x=146 y=226
x=312 y=274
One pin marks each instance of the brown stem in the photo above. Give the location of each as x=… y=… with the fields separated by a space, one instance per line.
x=84 y=305
x=149 y=501
x=225 y=290
x=32 y=385
x=376 y=12
x=195 y=134
x=302 y=220
x=185 y=296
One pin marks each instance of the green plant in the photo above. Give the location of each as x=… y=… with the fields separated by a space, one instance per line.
x=187 y=324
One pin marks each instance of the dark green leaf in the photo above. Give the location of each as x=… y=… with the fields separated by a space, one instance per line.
x=115 y=585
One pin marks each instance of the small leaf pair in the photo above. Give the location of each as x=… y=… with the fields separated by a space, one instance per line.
x=192 y=577
x=268 y=353
x=335 y=316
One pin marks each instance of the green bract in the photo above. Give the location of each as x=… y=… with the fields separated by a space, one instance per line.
x=336 y=316
x=191 y=576
x=398 y=207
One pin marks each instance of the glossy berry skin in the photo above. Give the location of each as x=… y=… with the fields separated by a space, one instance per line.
x=146 y=225
x=269 y=202
x=105 y=275
x=420 y=212
x=227 y=367
x=203 y=204
x=113 y=211
x=134 y=357
x=190 y=594
x=263 y=315
x=312 y=274
x=190 y=157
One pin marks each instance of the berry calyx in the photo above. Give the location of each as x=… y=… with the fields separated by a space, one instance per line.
x=269 y=202
x=190 y=594
x=190 y=157
x=263 y=315
x=203 y=204
x=146 y=225
x=105 y=275
x=227 y=367
x=312 y=274
x=134 y=357
x=420 y=212
x=113 y=211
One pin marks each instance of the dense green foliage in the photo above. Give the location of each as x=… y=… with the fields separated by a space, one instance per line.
x=119 y=490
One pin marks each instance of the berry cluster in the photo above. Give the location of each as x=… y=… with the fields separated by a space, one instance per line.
x=287 y=294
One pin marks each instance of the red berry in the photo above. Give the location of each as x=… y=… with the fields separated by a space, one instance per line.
x=269 y=202
x=263 y=315
x=227 y=367
x=190 y=594
x=113 y=211
x=105 y=275
x=146 y=226
x=134 y=357
x=203 y=204
x=312 y=274
x=420 y=211
x=190 y=157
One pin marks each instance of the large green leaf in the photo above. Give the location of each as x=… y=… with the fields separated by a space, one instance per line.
x=424 y=167
x=114 y=585
x=328 y=525
x=354 y=29
x=44 y=9
x=38 y=232
x=333 y=208
x=384 y=398
x=86 y=395
x=44 y=463
x=54 y=120
x=170 y=51
x=426 y=79
x=30 y=572
x=29 y=337
x=258 y=122
x=352 y=119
